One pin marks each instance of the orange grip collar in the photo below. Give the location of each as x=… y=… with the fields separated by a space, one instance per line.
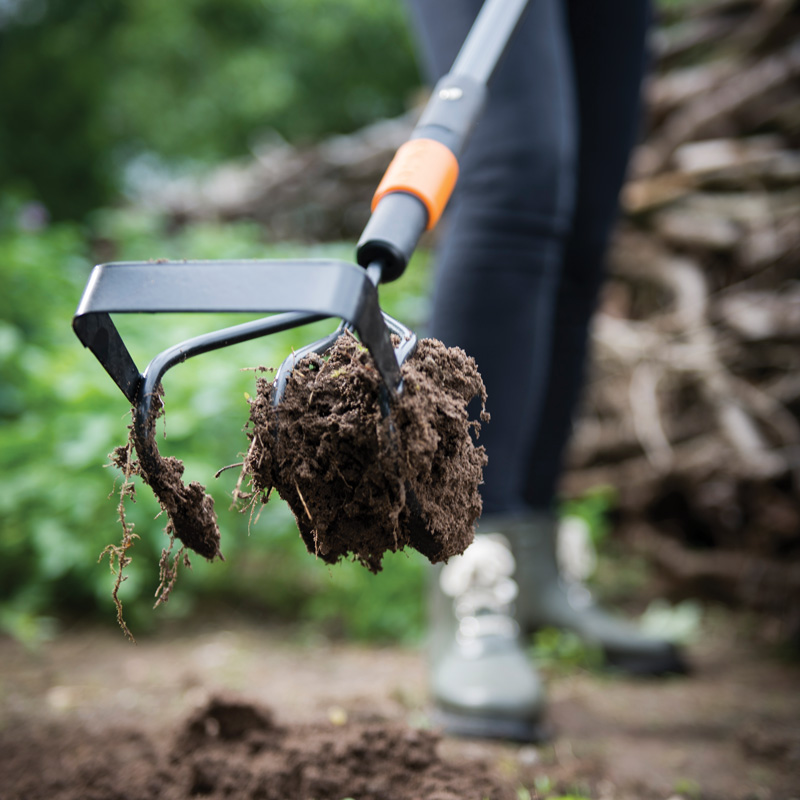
x=425 y=168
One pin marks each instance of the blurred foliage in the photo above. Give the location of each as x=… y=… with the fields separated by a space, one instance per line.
x=594 y=507
x=544 y=789
x=93 y=84
x=60 y=415
x=563 y=652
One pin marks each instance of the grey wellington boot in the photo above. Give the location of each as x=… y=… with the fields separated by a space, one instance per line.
x=547 y=600
x=481 y=680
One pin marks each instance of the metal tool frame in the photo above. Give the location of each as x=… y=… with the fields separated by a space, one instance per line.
x=304 y=291
x=297 y=292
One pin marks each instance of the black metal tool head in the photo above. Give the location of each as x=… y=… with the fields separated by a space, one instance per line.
x=298 y=291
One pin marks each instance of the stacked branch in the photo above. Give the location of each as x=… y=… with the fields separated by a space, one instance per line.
x=303 y=194
x=693 y=406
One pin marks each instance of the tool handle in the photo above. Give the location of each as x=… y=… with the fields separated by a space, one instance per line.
x=418 y=183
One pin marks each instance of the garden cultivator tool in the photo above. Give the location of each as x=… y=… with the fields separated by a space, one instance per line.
x=408 y=201
x=304 y=291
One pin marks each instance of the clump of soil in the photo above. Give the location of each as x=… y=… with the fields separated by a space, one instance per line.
x=190 y=508
x=363 y=483
x=232 y=748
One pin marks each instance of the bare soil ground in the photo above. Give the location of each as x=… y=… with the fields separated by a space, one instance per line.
x=730 y=731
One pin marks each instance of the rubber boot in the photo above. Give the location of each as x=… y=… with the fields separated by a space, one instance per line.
x=547 y=600
x=481 y=679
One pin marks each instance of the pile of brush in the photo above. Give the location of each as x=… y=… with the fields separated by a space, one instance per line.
x=693 y=408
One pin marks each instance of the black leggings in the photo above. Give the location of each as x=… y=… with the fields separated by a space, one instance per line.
x=522 y=257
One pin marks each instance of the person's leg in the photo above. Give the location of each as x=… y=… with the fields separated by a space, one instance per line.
x=495 y=287
x=607 y=43
x=608 y=51
x=498 y=266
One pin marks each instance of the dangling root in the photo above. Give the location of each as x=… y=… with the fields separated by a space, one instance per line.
x=118 y=558
x=168 y=572
x=189 y=509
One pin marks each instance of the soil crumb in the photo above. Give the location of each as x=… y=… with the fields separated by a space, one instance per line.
x=363 y=483
x=232 y=748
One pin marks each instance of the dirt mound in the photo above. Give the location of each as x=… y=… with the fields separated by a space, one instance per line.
x=232 y=748
x=362 y=475
x=360 y=481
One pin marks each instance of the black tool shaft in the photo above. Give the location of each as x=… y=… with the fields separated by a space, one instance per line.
x=401 y=217
x=484 y=46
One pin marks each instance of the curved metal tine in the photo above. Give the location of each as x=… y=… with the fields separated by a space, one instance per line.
x=408 y=344
x=205 y=343
x=288 y=363
x=408 y=339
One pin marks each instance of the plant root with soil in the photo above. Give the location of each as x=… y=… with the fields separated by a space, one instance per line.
x=358 y=481
x=190 y=512
x=231 y=747
x=190 y=509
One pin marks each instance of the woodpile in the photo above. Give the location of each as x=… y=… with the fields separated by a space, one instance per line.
x=693 y=408
x=693 y=404
x=302 y=194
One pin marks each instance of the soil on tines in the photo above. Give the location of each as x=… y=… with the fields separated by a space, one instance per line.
x=189 y=508
x=361 y=482
x=233 y=748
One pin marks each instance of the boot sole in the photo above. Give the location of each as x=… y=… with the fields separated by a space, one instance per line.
x=471 y=726
x=670 y=662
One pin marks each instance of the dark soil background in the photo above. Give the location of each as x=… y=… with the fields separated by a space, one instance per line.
x=89 y=715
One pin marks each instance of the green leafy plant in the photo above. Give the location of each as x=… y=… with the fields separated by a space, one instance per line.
x=594 y=508
x=689 y=788
x=562 y=651
x=60 y=416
